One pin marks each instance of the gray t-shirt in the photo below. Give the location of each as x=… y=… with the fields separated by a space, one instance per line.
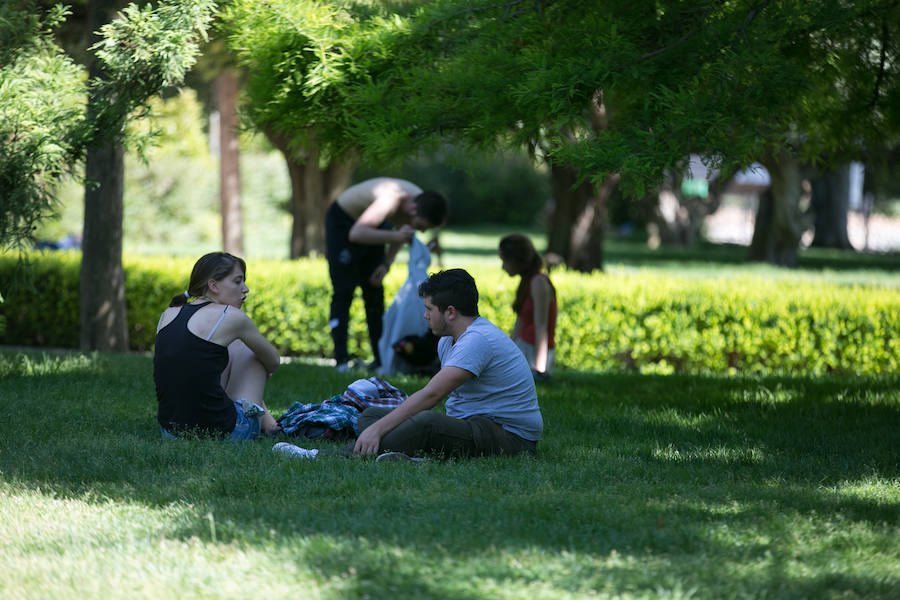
x=502 y=388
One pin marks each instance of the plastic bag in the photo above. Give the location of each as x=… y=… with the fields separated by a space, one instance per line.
x=406 y=314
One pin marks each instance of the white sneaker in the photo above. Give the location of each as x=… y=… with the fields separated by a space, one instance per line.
x=294 y=451
x=398 y=457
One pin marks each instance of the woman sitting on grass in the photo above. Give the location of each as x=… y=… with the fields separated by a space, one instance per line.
x=535 y=304
x=211 y=363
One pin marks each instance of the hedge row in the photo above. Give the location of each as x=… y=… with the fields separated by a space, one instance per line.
x=643 y=322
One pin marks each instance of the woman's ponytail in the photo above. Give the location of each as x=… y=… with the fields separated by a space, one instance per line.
x=180 y=299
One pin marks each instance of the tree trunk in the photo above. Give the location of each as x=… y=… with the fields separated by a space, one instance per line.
x=226 y=90
x=568 y=202
x=586 y=252
x=312 y=190
x=103 y=314
x=578 y=222
x=776 y=235
x=830 y=203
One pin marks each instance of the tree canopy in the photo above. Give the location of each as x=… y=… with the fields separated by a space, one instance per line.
x=732 y=80
x=43 y=123
x=52 y=117
x=145 y=50
x=611 y=94
x=41 y=117
x=305 y=59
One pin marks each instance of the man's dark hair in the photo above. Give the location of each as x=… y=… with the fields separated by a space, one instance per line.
x=453 y=287
x=432 y=206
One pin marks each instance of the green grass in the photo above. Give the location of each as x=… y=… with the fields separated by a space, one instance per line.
x=478 y=245
x=645 y=487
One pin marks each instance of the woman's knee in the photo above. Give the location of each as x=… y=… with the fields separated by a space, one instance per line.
x=241 y=356
x=242 y=362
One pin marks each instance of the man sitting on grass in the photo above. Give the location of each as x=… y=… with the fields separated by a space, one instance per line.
x=491 y=406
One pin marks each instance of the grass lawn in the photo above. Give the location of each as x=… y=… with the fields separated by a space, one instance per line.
x=478 y=244
x=645 y=487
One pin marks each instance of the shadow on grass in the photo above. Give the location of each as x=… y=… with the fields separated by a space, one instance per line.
x=673 y=472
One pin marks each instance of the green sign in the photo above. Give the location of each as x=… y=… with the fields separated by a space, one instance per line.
x=695 y=187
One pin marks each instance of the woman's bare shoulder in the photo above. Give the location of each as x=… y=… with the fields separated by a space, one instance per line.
x=541 y=281
x=167 y=316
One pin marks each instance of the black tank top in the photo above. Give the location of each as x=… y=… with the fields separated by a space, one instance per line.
x=187 y=371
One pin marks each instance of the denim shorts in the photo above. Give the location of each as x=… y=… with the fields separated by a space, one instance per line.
x=245 y=428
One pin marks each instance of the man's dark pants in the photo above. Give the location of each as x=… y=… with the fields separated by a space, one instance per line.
x=349 y=266
x=432 y=432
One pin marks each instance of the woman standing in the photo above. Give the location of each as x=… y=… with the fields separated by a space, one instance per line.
x=535 y=303
x=211 y=363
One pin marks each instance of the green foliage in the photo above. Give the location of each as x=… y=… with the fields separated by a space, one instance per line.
x=171 y=189
x=145 y=50
x=642 y=322
x=503 y=188
x=43 y=322
x=674 y=77
x=41 y=108
x=42 y=94
x=749 y=325
x=288 y=48
x=176 y=123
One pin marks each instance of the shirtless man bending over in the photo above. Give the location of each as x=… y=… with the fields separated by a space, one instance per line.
x=365 y=227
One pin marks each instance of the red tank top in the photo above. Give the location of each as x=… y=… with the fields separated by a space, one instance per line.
x=526 y=317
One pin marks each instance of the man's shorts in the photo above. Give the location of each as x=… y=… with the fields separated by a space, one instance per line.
x=245 y=428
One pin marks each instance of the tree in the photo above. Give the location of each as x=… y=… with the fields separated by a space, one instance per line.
x=103 y=318
x=137 y=55
x=844 y=106
x=830 y=203
x=41 y=115
x=614 y=91
x=567 y=78
x=777 y=239
x=227 y=87
x=291 y=100
x=46 y=130
x=219 y=80
x=313 y=186
x=781 y=82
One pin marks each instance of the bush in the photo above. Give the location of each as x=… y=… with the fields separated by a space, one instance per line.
x=624 y=322
x=663 y=324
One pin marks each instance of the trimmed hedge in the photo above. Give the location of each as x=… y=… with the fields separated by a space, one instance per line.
x=645 y=322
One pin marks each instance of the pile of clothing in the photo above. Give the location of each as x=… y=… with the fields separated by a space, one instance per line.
x=335 y=418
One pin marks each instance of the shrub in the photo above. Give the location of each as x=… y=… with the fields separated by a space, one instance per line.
x=623 y=322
